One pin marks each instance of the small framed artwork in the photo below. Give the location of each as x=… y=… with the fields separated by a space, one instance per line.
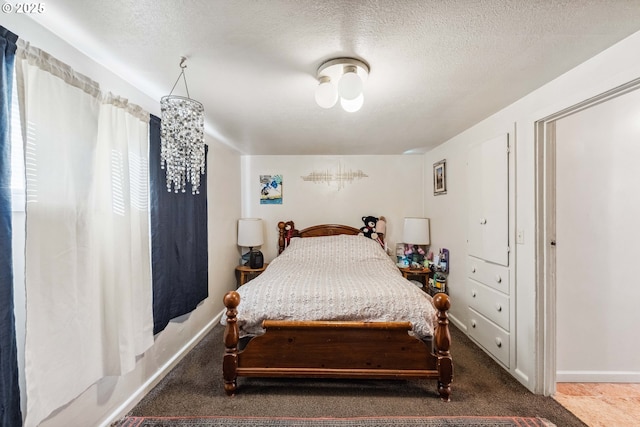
x=270 y=189
x=440 y=178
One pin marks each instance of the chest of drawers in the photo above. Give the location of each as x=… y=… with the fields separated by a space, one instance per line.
x=489 y=308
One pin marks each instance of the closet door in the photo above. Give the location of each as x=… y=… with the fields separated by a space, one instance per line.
x=488 y=174
x=475 y=196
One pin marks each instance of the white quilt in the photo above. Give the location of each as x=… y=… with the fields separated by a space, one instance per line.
x=333 y=278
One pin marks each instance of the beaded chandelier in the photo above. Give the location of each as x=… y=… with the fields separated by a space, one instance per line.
x=182 y=151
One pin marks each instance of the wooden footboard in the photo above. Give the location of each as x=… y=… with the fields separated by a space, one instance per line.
x=338 y=349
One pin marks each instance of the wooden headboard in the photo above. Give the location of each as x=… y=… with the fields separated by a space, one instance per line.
x=287 y=230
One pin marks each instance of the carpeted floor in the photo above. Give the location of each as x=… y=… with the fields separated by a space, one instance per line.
x=480 y=388
x=336 y=422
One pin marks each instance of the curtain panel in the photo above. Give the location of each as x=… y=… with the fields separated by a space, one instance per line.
x=120 y=232
x=179 y=246
x=10 y=414
x=87 y=266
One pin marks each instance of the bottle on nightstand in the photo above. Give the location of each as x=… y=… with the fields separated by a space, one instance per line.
x=440 y=282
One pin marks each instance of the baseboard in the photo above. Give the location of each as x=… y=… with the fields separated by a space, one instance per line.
x=458 y=323
x=598 y=377
x=137 y=396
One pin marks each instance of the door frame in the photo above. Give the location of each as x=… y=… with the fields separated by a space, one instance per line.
x=545 y=196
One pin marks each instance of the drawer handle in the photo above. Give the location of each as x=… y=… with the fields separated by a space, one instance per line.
x=473 y=293
x=498 y=307
x=483 y=221
x=473 y=269
x=473 y=323
x=499 y=342
x=498 y=278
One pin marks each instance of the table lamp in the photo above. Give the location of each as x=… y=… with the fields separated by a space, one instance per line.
x=250 y=235
x=416 y=232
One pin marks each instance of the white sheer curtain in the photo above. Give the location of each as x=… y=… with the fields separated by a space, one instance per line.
x=87 y=269
x=120 y=230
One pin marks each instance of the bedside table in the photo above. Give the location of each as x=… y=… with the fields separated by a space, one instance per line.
x=421 y=275
x=244 y=273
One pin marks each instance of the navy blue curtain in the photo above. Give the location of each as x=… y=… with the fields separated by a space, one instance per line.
x=179 y=250
x=10 y=415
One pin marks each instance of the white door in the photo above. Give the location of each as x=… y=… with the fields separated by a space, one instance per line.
x=598 y=242
x=488 y=186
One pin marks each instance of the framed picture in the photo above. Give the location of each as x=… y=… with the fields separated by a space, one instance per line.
x=270 y=189
x=440 y=178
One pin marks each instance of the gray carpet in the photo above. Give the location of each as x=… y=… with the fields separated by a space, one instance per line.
x=480 y=388
x=336 y=422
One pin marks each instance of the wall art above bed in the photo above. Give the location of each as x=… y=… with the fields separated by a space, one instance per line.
x=340 y=177
x=270 y=189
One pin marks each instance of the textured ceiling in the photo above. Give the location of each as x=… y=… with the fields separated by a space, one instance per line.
x=437 y=66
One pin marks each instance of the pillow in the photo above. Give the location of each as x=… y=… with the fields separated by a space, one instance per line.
x=341 y=247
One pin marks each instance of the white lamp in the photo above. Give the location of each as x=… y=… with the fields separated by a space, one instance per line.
x=326 y=93
x=416 y=231
x=349 y=74
x=353 y=105
x=350 y=85
x=250 y=234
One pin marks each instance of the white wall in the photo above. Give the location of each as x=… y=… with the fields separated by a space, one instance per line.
x=613 y=67
x=113 y=396
x=598 y=206
x=448 y=214
x=393 y=189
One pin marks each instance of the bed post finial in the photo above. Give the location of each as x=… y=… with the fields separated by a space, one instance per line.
x=443 y=344
x=286 y=230
x=281 y=232
x=231 y=337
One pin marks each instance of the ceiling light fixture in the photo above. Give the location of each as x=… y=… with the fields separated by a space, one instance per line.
x=342 y=78
x=182 y=150
x=326 y=93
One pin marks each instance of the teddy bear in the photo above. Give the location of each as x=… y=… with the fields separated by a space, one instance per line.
x=369 y=228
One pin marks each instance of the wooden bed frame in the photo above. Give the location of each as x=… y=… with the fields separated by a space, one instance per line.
x=336 y=349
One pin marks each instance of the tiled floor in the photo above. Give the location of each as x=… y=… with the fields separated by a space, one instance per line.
x=600 y=404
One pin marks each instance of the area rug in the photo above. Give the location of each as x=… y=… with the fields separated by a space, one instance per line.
x=334 y=422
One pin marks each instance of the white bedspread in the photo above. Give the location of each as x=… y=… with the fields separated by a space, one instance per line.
x=333 y=278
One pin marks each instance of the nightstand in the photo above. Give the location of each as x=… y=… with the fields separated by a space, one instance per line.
x=244 y=273
x=421 y=275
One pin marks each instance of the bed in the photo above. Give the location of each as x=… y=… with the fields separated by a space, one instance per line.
x=335 y=332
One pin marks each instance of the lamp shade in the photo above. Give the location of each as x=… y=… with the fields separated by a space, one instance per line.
x=416 y=231
x=353 y=105
x=350 y=84
x=341 y=78
x=250 y=232
x=326 y=93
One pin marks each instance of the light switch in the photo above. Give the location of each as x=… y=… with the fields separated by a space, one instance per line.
x=520 y=236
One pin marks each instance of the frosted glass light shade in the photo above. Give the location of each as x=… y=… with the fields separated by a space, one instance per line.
x=350 y=84
x=250 y=232
x=353 y=105
x=416 y=231
x=342 y=78
x=326 y=93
